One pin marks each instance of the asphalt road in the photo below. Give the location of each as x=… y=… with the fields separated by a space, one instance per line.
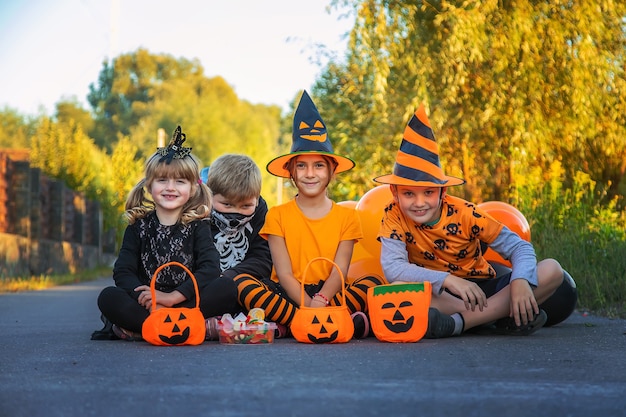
x=50 y=367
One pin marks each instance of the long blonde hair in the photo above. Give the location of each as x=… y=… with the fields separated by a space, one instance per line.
x=139 y=204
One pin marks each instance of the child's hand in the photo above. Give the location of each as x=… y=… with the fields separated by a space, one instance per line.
x=468 y=291
x=145 y=296
x=169 y=299
x=523 y=303
x=163 y=299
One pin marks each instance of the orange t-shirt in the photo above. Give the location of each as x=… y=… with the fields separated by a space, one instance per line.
x=307 y=238
x=452 y=244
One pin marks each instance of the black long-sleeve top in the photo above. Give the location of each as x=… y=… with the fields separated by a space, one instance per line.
x=148 y=244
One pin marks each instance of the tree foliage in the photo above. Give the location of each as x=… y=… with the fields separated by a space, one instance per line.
x=70 y=110
x=139 y=93
x=127 y=85
x=101 y=152
x=15 y=129
x=510 y=86
x=65 y=152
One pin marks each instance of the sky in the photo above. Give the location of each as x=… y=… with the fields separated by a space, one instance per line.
x=267 y=50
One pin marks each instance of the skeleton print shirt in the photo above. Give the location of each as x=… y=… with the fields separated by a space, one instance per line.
x=242 y=250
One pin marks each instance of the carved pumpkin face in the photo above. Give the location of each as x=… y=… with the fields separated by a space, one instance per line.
x=312 y=130
x=176 y=337
x=399 y=313
x=331 y=324
x=397 y=322
x=170 y=326
x=324 y=331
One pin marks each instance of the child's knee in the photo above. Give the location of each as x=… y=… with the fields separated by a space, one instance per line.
x=550 y=272
x=245 y=280
x=369 y=281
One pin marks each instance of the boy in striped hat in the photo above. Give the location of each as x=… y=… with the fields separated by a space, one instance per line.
x=427 y=235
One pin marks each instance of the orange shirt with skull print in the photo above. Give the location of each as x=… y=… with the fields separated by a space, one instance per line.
x=452 y=244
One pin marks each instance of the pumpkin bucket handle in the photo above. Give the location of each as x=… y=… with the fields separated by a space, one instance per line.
x=306 y=269
x=159 y=269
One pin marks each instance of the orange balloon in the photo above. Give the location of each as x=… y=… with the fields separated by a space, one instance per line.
x=363 y=267
x=511 y=218
x=359 y=252
x=370 y=209
x=348 y=203
x=509 y=215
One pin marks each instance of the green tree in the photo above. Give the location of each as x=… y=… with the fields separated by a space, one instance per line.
x=140 y=93
x=509 y=86
x=127 y=85
x=126 y=171
x=15 y=129
x=68 y=110
x=65 y=152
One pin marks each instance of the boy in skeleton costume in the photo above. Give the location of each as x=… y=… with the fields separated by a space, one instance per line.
x=237 y=216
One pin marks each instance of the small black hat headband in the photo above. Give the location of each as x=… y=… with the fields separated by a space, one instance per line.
x=175 y=149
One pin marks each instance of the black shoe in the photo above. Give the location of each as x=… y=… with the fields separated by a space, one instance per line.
x=507 y=327
x=439 y=324
x=106 y=333
x=361 y=325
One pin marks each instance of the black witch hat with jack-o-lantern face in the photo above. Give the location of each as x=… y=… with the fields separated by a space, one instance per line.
x=310 y=137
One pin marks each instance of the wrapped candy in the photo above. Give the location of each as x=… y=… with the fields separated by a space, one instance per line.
x=247 y=329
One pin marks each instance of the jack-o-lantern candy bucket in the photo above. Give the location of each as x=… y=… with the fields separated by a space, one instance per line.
x=399 y=312
x=330 y=324
x=174 y=326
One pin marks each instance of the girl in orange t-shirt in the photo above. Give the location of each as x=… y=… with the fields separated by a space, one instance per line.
x=309 y=226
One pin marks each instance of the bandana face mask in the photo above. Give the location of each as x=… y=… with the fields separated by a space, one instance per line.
x=229 y=223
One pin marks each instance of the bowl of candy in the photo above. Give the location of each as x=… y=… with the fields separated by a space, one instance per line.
x=250 y=329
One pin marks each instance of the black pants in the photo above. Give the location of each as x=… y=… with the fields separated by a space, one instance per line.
x=217 y=298
x=491 y=286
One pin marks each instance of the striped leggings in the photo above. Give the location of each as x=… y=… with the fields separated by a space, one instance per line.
x=253 y=293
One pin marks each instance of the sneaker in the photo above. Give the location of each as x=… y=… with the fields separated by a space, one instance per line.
x=506 y=326
x=212 y=331
x=439 y=324
x=281 y=331
x=361 y=325
x=106 y=333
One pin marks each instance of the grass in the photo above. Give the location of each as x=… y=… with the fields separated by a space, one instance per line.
x=40 y=282
x=595 y=261
x=585 y=230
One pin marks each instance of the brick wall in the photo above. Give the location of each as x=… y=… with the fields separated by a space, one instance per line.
x=45 y=227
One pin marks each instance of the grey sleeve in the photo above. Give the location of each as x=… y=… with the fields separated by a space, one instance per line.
x=396 y=266
x=521 y=254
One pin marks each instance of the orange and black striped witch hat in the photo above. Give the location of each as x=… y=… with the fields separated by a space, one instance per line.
x=417 y=161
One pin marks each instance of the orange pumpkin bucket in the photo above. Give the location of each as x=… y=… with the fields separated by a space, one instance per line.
x=399 y=312
x=330 y=324
x=173 y=326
